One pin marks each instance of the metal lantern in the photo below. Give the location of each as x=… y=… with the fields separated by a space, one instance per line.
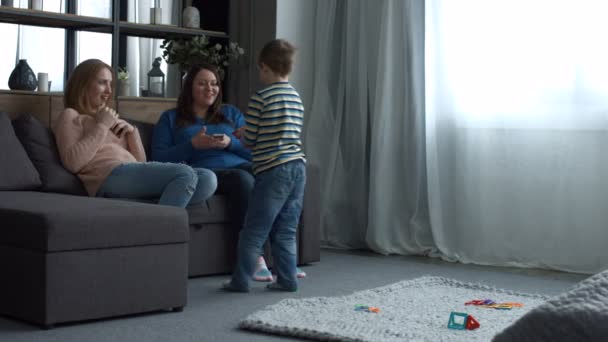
x=156 y=80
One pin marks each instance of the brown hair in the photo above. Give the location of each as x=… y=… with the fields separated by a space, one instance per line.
x=185 y=114
x=75 y=94
x=278 y=55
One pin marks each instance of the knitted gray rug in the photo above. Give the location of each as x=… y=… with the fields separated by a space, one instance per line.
x=410 y=310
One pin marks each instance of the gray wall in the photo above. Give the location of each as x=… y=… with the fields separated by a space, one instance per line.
x=296 y=23
x=252 y=24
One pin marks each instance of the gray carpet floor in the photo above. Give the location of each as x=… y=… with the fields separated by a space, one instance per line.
x=213 y=315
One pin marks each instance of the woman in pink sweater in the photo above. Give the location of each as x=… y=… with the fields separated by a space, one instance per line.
x=106 y=152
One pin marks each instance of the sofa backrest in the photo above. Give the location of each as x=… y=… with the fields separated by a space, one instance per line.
x=145 y=131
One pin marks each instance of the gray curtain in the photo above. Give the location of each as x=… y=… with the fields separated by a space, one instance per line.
x=365 y=126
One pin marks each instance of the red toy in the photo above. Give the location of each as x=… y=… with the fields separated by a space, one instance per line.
x=472 y=323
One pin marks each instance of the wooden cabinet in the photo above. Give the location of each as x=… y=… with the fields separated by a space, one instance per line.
x=16 y=102
x=46 y=107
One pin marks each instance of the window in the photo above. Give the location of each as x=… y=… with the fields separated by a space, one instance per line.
x=42 y=47
x=518 y=64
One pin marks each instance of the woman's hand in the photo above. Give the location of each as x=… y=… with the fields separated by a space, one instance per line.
x=106 y=116
x=222 y=140
x=121 y=128
x=203 y=141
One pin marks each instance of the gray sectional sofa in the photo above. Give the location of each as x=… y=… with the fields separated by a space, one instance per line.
x=68 y=257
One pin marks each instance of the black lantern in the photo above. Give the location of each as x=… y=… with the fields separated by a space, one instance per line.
x=156 y=80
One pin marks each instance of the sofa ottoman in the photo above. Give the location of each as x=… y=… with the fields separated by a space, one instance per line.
x=69 y=258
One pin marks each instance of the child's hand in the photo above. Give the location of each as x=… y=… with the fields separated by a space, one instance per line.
x=239 y=132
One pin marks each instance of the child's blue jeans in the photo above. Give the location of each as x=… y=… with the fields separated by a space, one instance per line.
x=172 y=184
x=274 y=212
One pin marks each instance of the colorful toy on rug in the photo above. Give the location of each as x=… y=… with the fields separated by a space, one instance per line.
x=461 y=321
x=359 y=307
x=488 y=303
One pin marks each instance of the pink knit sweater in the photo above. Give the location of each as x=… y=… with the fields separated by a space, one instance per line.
x=91 y=151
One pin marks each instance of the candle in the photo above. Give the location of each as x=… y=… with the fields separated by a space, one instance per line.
x=43 y=82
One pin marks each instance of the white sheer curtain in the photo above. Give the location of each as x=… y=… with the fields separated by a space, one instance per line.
x=517 y=132
x=365 y=125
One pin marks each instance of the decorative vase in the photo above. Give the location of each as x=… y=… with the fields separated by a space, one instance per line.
x=191 y=16
x=35 y=5
x=123 y=88
x=22 y=77
x=156 y=16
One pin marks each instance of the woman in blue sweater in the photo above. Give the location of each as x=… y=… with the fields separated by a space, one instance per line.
x=199 y=133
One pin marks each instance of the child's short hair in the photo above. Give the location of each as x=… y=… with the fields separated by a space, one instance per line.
x=278 y=55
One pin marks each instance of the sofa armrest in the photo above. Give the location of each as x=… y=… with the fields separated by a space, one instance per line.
x=310 y=225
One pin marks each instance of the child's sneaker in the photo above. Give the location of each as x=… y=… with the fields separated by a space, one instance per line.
x=262 y=273
x=300 y=273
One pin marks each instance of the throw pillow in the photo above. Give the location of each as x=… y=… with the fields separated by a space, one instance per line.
x=39 y=143
x=16 y=170
x=580 y=314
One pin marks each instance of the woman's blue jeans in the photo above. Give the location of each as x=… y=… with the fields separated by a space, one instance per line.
x=172 y=184
x=274 y=212
x=236 y=183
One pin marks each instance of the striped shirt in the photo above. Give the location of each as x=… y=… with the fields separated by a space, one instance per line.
x=274 y=124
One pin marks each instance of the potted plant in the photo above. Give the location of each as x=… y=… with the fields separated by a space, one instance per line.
x=188 y=51
x=123 y=82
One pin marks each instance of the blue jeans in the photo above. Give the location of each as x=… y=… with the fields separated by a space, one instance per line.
x=274 y=212
x=236 y=183
x=171 y=184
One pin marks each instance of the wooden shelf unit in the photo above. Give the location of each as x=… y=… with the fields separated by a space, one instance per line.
x=251 y=23
x=21 y=16
x=164 y=31
x=117 y=26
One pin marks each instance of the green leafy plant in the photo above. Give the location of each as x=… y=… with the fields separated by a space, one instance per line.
x=123 y=74
x=188 y=51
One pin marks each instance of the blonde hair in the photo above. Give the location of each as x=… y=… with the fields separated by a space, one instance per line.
x=76 y=91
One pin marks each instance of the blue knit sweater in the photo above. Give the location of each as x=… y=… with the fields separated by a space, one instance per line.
x=173 y=144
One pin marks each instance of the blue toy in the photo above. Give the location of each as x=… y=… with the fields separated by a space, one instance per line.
x=458 y=320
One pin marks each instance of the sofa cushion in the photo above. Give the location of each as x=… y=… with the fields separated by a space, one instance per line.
x=212 y=210
x=39 y=143
x=579 y=314
x=52 y=222
x=16 y=170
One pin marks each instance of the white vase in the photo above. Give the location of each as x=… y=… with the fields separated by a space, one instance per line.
x=191 y=16
x=35 y=5
x=156 y=16
x=123 y=88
